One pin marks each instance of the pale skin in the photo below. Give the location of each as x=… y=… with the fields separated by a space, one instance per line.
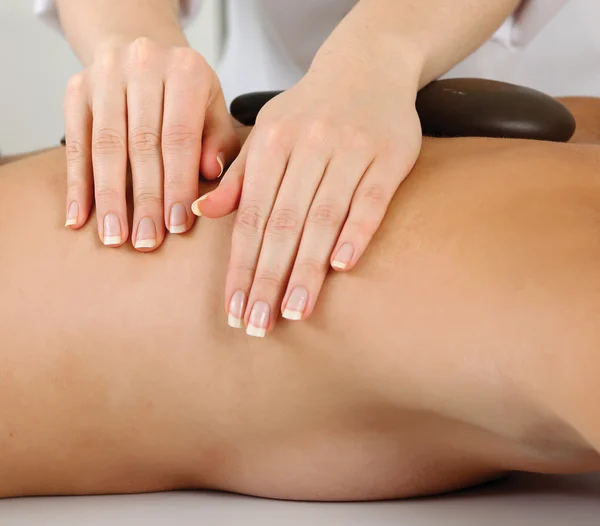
x=462 y=347
x=316 y=177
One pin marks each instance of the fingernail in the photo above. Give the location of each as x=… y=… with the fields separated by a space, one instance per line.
x=112 y=230
x=221 y=161
x=195 y=208
x=236 y=309
x=146 y=234
x=178 y=219
x=72 y=214
x=259 y=320
x=343 y=256
x=296 y=304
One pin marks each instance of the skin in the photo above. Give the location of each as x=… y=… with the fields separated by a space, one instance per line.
x=326 y=157
x=462 y=347
x=318 y=173
x=144 y=97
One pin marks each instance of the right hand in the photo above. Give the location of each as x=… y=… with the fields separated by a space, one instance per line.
x=163 y=110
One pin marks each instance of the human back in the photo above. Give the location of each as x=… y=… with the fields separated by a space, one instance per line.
x=402 y=358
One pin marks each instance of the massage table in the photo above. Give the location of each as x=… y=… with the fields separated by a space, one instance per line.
x=522 y=499
x=448 y=108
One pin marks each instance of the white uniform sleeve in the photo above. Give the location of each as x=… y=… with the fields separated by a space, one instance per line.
x=46 y=10
x=527 y=21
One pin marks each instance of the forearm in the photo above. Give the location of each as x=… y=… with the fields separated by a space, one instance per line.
x=419 y=39
x=90 y=23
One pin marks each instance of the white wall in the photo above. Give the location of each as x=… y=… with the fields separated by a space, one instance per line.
x=35 y=64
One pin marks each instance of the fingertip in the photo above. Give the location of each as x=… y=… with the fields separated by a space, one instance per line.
x=196 y=205
x=344 y=258
x=77 y=215
x=73 y=225
x=114 y=231
x=218 y=203
x=179 y=220
x=221 y=163
x=148 y=234
x=212 y=166
x=146 y=246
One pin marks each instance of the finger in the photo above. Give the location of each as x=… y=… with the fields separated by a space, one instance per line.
x=185 y=101
x=78 y=129
x=109 y=152
x=144 y=109
x=324 y=222
x=264 y=169
x=220 y=143
x=282 y=235
x=369 y=205
x=226 y=197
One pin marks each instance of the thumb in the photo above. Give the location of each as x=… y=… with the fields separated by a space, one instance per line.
x=224 y=199
x=220 y=143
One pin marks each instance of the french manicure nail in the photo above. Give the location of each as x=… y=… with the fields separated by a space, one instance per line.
x=112 y=230
x=72 y=213
x=259 y=320
x=296 y=304
x=178 y=219
x=236 y=309
x=146 y=234
x=220 y=160
x=195 y=208
x=343 y=256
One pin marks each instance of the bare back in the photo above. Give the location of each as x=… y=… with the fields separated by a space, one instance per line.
x=120 y=373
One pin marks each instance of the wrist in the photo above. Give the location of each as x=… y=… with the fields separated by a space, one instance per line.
x=368 y=69
x=380 y=61
x=120 y=40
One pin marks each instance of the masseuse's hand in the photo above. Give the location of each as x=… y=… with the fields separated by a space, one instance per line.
x=160 y=108
x=315 y=178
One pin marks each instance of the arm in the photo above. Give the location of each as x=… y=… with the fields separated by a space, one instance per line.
x=427 y=37
x=90 y=23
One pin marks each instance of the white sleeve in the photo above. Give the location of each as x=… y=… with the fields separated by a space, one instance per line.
x=46 y=10
x=527 y=21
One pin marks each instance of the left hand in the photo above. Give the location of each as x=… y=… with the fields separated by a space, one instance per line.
x=313 y=182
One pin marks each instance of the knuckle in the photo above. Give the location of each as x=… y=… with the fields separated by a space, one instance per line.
x=374 y=194
x=139 y=52
x=147 y=198
x=143 y=142
x=74 y=186
x=267 y=279
x=107 y=194
x=284 y=222
x=75 y=151
x=249 y=220
x=242 y=268
x=354 y=138
x=107 y=141
x=311 y=267
x=276 y=134
x=75 y=84
x=179 y=137
x=318 y=132
x=173 y=180
x=187 y=60
x=107 y=62
x=326 y=214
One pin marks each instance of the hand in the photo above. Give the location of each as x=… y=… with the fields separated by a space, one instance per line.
x=315 y=178
x=163 y=110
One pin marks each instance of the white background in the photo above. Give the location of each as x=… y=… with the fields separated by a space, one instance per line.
x=35 y=64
